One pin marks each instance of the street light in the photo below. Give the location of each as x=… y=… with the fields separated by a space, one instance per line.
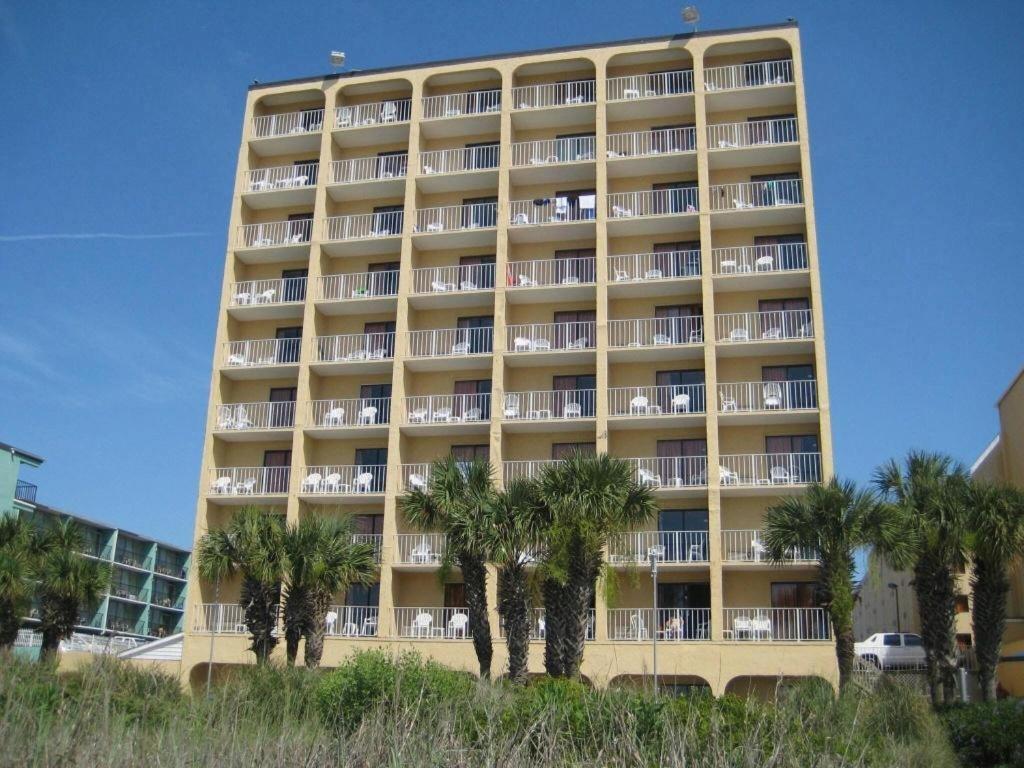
x=653 y=556
x=896 y=589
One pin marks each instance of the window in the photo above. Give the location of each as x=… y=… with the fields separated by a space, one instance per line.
x=676 y=617
x=290 y=341
x=484 y=100
x=363 y=596
x=573 y=211
x=380 y=336
x=314 y=166
x=575 y=265
x=776 y=189
x=392 y=164
x=574 y=327
x=455 y=595
x=574 y=389
x=282 y=408
x=368 y=525
x=279 y=462
x=679 y=259
x=374 y=461
x=384 y=280
x=474 y=270
x=388 y=220
x=777 y=129
x=376 y=396
x=785 y=318
x=796 y=384
x=684 y=382
x=786 y=251
x=468 y=453
x=685 y=320
x=679 y=137
x=479 y=212
x=891 y=640
x=912 y=641
x=793 y=458
x=682 y=547
x=301 y=227
x=477 y=333
x=293 y=286
x=681 y=197
x=565 y=450
x=482 y=154
x=576 y=146
x=469 y=391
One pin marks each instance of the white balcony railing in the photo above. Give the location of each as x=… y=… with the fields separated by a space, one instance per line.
x=747 y=546
x=554 y=94
x=254 y=416
x=343 y=479
x=749 y=469
x=273 y=233
x=350 y=412
x=432 y=623
x=369 y=168
x=777 y=257
x=453 y=278
x=756 y=194
x=254 y=353
x=543 y=272
x=287 y=123
x=415 y=476
x=547 y=337
x=665 y=265
x=220 y=619
x=646 y=143
x=761 y=396
x=671 y=471
x=459 y=160
x=352 y=347
x=419 y=548
x=376 y=113
x=780 y=130
x=458 y=104
x=358 y=285
x=454 y=218
x=525 y=470
x=649 y=86
x=652 y=202
x=363 y=225
x=538 y=627
x=557 y=210
x=656 y=400
x=281 y=177
x=770 y=325
x=352 y=620
x=776 y=624
x=550 y=404
x=290 y=290
x=553 y=151
x=753 y=75
x=375 y=540
x=666 y=546
x=656 y=331
x=451 y=342
x=249 y=481
x=671 y=624
x=448 y=409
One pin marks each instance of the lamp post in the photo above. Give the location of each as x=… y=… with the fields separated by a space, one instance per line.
x=653 y=556
x=896 y=590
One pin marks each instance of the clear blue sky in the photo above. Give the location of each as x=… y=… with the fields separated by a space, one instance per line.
x=126 y=121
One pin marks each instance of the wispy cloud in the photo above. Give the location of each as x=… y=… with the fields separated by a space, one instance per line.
x=99 y=236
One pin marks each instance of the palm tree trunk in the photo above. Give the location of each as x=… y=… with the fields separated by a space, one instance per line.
x=293 y=624
x=990 y=584
x=514 y=605
x=474 y=576
x=261 y=605
x=554 y=626
x=837 y=583
x=936 y=600
x=316 y=628
x=57 y=622
x=580 y=593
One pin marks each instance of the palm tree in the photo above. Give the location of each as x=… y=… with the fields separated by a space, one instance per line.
x=321 y=559
x=250 y=545
x=456 y=502
x=926 y=490
x=996 y=541
x=835 y=519
x=513 y=540
x=68 y=582
x=586 y=498
x=16 y=582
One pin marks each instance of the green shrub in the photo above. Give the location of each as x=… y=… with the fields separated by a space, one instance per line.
x=987 y=734
x=138 y=694
x=273 y=692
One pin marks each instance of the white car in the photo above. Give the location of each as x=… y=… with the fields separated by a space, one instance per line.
x=892 y=650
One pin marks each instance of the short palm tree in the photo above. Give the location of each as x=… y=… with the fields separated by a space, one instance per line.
x=456 y=502
x=835 y=519
x=926 y=490
x=585 y=498
x=251 y=545
x=16 y=578
x=996 y=541
x=321 y=559
x=68 y=582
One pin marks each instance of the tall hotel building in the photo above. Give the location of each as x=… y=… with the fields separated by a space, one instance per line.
x=606 y=247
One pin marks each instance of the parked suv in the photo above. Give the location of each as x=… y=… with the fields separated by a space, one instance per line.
x=892 y=650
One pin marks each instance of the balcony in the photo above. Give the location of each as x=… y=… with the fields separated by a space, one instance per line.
x=340 y=482
x=415 y=477
x=768 y=402
x=363 y=234
x=261 y=358
x=358 y=293
x=538 y=627
x=670 y=624
x=666 y=273
x=449 y=170
x=683 y=476
x=240 y=422
x=673 y=405
x=375 y=540
x=450 y=348
x=353 y=353
x=361 y=178
x=747 y=548
x=533 y=344
x=249 y=485
x=219 y=619
x=456 y=226
x=551 y=219
x=287 y=132
x=432 y=624
x=462 y=114
x=652 y=211
x=549 y=410
x=749 y=267
x=419 y=549
x=525 y=470
x=274 y=241
x=352 y=621
x=751 y=474
x=757 y=203
x=455 y=285
x=343 y=417
x=758 y=84
x=639 y=153
x=25 y=491
x=169 y=601
x=388 y=122
x=443 y=414
x=766 y=625
x=655 y=338
x=779 y=332
x=654 y=94
x=280 y=186
x=554 y=104
x=754 y=143
x=267 y=299
x=573 y=279
x=668 y=547
x=551 y=160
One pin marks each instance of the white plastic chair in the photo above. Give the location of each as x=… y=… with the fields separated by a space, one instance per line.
x=772 y=395
x=639 y=404
x=368 y=415
x=461 y=348
x=312 y=482
x=418 y=416
x=344 y=117
x=442 y=414
x=512 y=406
x=421 y=553
x=661 y=339
x=764 y=264
x=728 y=402
x=772 y=333
x=421 y=625
x=473 y=414
x=330 y=620
x=637 y=627
x=780 y=475
x=681 y=403
x=458 y=625
x=619 y=211
x=572 y=411
x=653 y=274
x=238 y=359
x=389 y=112
x=525 y=281
x=416 y=482
x=522 y=344
x=364 y=482
x=438 y=286
x=467 y=285
x=224 y=418
x=242 y=420
x=739 y=334
x=247 y=487
x=520 y=218
x=728 y=476
x=332 y=483
x=335 y=417
x=621 y=275
x=540 y=345
x=649 y=478
x=580 y=343
x=221 y=485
